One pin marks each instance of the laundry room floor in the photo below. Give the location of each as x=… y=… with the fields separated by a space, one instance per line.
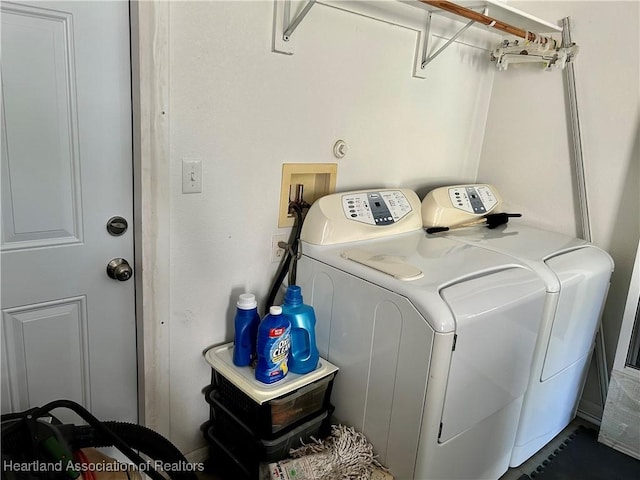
x=530 y=465
x=513 y=473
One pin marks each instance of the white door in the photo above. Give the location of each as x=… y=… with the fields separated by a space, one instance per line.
x=68 y=330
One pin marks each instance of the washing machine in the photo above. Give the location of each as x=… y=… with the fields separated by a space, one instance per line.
x=434 y=337
x=576 y=276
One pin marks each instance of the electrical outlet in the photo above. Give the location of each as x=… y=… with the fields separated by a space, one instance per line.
x=278 y=252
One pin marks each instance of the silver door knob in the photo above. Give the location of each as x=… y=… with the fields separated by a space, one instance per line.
x=119 y=269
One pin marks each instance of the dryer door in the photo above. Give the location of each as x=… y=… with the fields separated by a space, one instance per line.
x=584 y=281
x=497 y=321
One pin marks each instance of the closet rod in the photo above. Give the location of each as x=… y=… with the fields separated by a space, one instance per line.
x=485 y=20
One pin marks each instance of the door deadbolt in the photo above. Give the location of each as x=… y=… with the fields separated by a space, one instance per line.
x=119 y=269
x=116 y=226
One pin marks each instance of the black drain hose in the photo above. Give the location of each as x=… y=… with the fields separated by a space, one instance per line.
x=289 y=262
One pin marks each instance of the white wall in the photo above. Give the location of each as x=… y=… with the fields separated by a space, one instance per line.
x=527 y=153
x=244 y=111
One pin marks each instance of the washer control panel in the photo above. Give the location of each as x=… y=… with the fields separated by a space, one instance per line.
x=376 y=208
x=362 y=215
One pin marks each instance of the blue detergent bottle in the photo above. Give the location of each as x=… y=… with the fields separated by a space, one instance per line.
x=303 y=357
x=246 y=330
x=274 y=340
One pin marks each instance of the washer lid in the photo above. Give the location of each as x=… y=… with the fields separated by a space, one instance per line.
x=440 y=261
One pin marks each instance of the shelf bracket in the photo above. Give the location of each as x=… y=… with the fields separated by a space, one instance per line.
x=426 y=59
x=284 y=26
x=422 y=57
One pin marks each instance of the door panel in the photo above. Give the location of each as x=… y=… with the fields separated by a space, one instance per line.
x=68 y=331
x=43 y=342
x=41 y=197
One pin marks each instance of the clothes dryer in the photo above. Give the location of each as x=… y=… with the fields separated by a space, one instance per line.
x=576 y=275
x=434 y=338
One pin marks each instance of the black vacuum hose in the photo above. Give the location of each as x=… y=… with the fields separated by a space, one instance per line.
x=140 y=438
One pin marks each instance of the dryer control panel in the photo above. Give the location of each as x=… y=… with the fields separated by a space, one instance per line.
x=476 y=199
x=459 y=205
x=361 y=215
